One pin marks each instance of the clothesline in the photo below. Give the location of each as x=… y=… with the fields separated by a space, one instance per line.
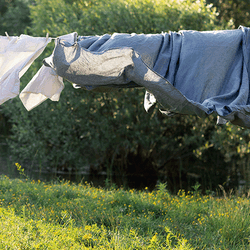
x=189 y=72
x=47 y=36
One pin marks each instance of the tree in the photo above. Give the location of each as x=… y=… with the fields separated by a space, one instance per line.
x=234 y=12
x=14 y=16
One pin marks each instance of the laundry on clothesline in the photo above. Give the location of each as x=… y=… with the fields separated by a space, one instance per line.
x=187 y=72
x=46 y=84
x=16 y=56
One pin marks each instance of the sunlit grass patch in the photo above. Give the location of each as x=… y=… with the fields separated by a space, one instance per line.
x=22 y=233
x=63 y=215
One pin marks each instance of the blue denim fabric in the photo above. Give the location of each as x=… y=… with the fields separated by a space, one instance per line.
x=189 y=72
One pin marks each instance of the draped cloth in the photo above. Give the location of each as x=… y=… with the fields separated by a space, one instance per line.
x=189 y=72
x=16 y=56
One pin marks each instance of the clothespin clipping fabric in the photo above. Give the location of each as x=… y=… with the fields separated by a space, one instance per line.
x=7 y=35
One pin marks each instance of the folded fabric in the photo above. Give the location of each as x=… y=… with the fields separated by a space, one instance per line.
x=189 y=72
x=45 y=84
x=16 y=56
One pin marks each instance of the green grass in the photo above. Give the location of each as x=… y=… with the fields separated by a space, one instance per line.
x=63 y=215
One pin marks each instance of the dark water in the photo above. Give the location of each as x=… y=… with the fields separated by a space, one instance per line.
x=99 y=179
x=47 y=176
x=96 y=180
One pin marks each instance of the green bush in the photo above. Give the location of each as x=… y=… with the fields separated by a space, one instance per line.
x=97 y=17
x=111 y=131
x=235 y=12
x=14 y=16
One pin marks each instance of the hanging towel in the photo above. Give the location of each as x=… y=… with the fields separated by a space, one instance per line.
x=189 y=72
x=45 y=84
x=16 y=56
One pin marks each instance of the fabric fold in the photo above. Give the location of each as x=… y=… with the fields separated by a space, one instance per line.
x=189 y=72
x=46 y=84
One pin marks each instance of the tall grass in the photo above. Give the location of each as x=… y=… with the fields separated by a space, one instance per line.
x=63 y=215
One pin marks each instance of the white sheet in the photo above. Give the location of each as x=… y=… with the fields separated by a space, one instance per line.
x=16 y=56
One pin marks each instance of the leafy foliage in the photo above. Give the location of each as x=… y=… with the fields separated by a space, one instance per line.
x=96 y=17
x=14 y=16
x=234 y=12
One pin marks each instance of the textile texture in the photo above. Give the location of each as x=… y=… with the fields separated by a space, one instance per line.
x=45 y=84
x=16 y=56
x=189 y=72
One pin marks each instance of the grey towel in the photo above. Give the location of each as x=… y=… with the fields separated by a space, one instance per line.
x=188 y=72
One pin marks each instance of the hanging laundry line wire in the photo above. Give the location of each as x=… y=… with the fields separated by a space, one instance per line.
x=53 y=38
x=47 y=36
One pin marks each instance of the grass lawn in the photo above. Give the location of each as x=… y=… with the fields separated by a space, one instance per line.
x=63 y=215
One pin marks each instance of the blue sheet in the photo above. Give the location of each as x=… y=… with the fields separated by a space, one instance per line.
x=189 y=72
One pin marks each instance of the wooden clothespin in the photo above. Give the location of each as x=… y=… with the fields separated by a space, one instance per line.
x=47 y=36
x=7 y=35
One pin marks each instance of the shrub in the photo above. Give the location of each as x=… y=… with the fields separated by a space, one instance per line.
x=14 y=16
